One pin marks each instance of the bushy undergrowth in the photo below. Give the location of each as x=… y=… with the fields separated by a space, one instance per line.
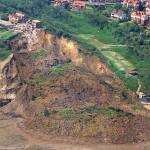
x=85 y=113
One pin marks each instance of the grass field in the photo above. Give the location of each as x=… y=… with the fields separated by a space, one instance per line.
x=118 y=61
x=97 y=42
x=113 y=57
x=4 y=36
x=4 y=53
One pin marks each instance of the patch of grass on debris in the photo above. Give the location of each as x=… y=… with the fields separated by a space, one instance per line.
x=39 y=54
x=87 y=113
x=60 y=70
x=136 y=107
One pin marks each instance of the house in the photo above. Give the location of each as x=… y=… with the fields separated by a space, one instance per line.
x=133 y=4
x=148 y=10
x=78 y=5
x=63 y=3
x=148 y=7
x=118 y=14
x=36 y=24
x=113 y=1
x=140 y=17
x=96 y=2
x=18 y=17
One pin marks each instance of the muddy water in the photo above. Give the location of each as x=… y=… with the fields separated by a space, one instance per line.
x=13 y=137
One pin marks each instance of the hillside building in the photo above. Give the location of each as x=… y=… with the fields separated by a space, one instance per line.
x=96 y=2
x=140 y=17
x=37 y=24
x=78 y=5
x=133 y=4
x=118 y=14
x=17 y=17
x=113 y=1
x=148 y=8
x=63 y=3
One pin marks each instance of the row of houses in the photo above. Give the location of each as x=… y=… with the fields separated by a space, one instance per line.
x=140 y=11
x=133 y=4
x=142 y=16
x=77 y=5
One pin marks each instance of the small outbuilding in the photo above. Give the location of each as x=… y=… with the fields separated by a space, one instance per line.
x=78 y=5
x=37 y=24
x=145 y=100
x=63 y=3
x=118 y=14
x=18 y=17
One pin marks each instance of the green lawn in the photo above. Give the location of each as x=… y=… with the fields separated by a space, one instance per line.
x=4 y=36
x=118 y=61
x=4 y=53
x=113 y=57
x=91 y=39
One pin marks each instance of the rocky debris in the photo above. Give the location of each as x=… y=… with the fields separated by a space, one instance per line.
x=8 y=80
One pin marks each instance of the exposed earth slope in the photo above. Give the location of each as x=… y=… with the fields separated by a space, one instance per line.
x=21 y=139
x=62 y=91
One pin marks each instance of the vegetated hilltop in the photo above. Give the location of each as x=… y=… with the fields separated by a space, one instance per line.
x=63 y=91
x=120 y=38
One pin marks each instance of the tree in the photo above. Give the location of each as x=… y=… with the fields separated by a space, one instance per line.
x=118 y=6
x=46 y=112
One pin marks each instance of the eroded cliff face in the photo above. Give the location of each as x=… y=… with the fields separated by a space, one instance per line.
x=8 y=79
x=58 y=51
x=61 y=91
x=39 y=53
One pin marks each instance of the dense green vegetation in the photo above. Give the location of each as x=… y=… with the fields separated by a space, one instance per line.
x=39 y=54
x=128 y=39
x=4 y=53
x=4 y=36
x=87 y=113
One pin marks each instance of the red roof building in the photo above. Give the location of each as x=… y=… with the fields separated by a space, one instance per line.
x=61 y=2
x=140 y=17
x=134 y=4
x=148 y=7
x=78 y=5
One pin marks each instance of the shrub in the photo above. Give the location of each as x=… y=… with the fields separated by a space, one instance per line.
x=46 y=112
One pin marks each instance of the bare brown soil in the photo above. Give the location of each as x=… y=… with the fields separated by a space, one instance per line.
x=83 y=105
x=13 y=136
x=65 y=93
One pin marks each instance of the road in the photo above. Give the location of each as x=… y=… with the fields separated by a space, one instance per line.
x=13 y=137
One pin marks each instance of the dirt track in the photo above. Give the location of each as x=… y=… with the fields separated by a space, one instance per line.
x=14 y=138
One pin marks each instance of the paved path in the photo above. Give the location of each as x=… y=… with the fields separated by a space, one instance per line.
x=14 y=138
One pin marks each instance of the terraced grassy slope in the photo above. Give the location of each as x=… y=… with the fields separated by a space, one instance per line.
x=4 y=36
x=118 y=61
